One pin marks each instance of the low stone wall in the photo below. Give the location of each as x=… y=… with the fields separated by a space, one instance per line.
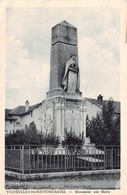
x=58 y=174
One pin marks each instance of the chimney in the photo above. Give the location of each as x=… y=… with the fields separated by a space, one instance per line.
x=26 y=106
x=100 y=99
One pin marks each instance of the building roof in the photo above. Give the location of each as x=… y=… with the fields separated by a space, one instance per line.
x=8 y=111
x=116 y=104
x=7 y=117
x=94 y=101
x=20 y=110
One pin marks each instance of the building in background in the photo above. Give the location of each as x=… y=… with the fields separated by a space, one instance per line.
x=20 y=116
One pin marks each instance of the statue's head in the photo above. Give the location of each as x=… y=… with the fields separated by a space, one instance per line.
x=73 y=56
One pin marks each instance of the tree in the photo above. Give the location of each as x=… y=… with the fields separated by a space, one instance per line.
x=16 y=138
x=31 y=136
x=73 y=141
x=104 y=129
x=31 y=133
x=51 y=139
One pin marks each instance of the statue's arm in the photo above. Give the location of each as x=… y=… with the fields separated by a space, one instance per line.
x=73 y=69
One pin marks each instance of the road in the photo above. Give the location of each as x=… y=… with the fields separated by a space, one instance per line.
x=101 y=181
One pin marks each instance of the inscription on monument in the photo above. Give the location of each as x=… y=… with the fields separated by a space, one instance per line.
x=72 y=106
x=72 y=121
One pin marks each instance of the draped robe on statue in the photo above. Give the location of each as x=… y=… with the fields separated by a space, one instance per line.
x=71 y=77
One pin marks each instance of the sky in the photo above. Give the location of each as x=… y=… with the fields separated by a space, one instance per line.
x=28 y=45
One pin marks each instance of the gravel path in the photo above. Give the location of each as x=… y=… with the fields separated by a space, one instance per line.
x=106 y=181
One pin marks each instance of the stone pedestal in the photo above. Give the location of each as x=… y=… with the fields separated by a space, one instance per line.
x=62 y=113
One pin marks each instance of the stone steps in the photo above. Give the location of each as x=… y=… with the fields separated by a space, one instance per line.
x=92 y=154
x=91 y=159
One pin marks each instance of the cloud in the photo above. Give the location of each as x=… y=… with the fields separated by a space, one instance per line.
x=99 y=70
x=110 y=39
x=28 y=79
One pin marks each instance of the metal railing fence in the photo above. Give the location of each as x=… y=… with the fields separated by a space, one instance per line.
x=41 y=159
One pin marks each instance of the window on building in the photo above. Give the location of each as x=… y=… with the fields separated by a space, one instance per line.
x=31 y=113
x=17 y=123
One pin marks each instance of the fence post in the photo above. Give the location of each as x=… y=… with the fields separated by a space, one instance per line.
x=29 y=160
x=104 y=158
x=74 y=157
x=112 y=157
x=118 y=159
x=22 y=158
x=65 y=158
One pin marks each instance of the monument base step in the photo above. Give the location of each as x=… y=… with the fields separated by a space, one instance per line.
x=92 y=150
x=61 y=92
x=90 y=159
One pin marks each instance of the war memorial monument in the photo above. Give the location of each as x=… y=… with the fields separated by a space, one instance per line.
x=64 y=108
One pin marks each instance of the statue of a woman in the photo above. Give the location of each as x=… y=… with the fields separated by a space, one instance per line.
x=71 y=80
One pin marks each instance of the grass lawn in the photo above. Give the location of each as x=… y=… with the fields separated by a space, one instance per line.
x=100 y=181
